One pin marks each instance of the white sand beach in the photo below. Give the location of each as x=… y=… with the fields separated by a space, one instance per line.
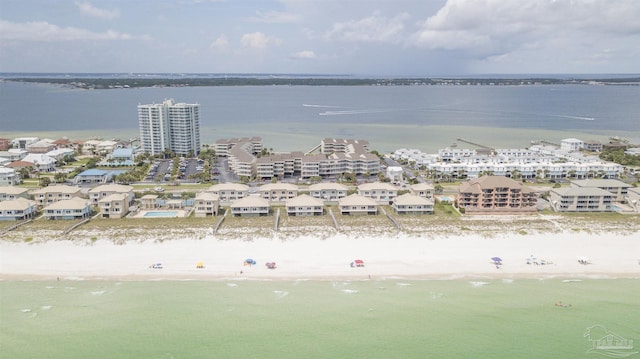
x=611 y=255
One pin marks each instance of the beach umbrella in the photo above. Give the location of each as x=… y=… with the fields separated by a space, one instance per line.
x=496 y=259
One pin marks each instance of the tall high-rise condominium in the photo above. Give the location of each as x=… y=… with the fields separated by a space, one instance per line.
x=170 y=126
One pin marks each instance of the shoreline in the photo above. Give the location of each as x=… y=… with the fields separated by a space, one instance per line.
x=400 y=257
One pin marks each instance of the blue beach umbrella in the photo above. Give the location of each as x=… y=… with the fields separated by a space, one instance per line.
x=496 y=259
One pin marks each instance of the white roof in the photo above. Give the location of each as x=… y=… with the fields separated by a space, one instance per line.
x=39 y=159
x=278 y=186
x=13 y=190
x=304 y=200
x=327 y=185
x=61 y=188
x=250 y=201
x=229 y=186
x=411 y=199
x=18 y=203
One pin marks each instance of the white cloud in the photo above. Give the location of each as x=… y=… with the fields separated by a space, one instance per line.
x=43 y=31
x=88 y=9
x=494 y=26
x=275 y=17
x=304 y=55
x=220 y=43
x=375 y=28
x=258 y=40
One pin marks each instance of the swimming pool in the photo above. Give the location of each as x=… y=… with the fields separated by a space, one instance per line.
x=159 y=214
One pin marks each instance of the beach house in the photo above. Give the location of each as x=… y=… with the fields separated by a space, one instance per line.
x=105 y=190
x=51 y=194
x=328 y=191
x=74 y=208
x=357 y=204
x=41 y=162
x=278 y=192
x=229 y=192
x=580 y=199
x=206 y=204
x=409 y=203
x=17 y=209
x=496 y=195
x=304 y=205
x=380 y=192
x=8 y=193
x=115 y=205
x=424 y=190
x=250 y=206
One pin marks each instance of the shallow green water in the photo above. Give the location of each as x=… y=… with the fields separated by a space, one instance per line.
x=312 y=319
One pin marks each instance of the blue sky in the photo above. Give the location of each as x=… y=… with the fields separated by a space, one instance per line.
x=358 y=37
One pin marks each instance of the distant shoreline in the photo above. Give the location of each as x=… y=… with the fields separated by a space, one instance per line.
x=126 y=82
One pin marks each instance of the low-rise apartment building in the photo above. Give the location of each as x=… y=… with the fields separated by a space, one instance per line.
x=580 y=199
x=496 y=194
x=616 y=187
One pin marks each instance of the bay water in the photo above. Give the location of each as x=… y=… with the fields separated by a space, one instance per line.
x=298 y=117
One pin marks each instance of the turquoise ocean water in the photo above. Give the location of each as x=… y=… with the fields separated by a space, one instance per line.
x=393 y=318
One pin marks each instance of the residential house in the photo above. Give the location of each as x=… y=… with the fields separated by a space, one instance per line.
x=149 y=201
x=357 y=204
x=229 y=192
x=409 y=203
x=92 y=175
x=304 y=205
x=42 y=146
x=9 y=177
x=424 y=190
x=278 y=192
x=496 y=195
x=17 y=209
x=592 y=146
x=23 y=142
x=51 y=194
x=74 y=208
x=8 y=193
x=616 y=187
x=14 y=154
x=250 y=206
x=380 y=192
x=328 y=191
x=580 y=199
x=105 y=190
x=206 y=204
x=115 y=205
x=571 y=144
x=121 y=157
x=41 y=162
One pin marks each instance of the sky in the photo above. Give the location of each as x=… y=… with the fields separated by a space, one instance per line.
x=347 y=37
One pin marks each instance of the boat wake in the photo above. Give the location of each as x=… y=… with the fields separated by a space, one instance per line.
x=575 y=117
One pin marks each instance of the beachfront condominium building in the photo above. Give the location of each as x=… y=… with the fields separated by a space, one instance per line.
x=170 y=126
